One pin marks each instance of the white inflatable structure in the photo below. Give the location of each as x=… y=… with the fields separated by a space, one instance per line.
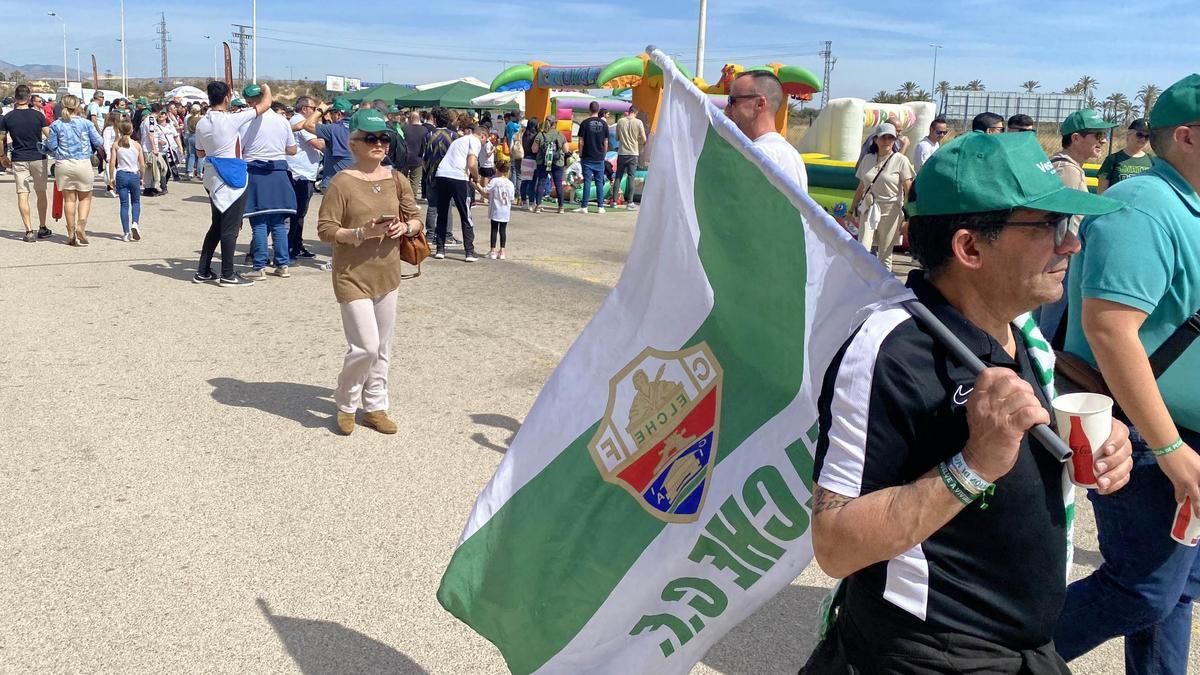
x=842 y=127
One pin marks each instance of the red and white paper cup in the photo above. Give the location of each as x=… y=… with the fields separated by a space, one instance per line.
x=1186 y=527
x=1084 y=422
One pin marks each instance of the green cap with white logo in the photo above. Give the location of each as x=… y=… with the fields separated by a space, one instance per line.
x=1178 y=105
x=368 y=119
x=976 y=173
x=341 y=105
x=1082 y=120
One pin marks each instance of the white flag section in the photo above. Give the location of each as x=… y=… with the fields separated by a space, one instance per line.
x=657 y=492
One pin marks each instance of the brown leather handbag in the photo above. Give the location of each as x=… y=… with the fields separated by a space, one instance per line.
x=414 y=250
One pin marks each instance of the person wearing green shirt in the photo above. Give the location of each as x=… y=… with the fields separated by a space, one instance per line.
x=1134 y=286
x=549 y=147
x=1127 y=162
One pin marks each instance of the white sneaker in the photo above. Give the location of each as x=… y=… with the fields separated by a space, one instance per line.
x=470 y=258
x=125 y=237
x=600 y=210
x=502 y=256
x=135 y=232
x=582 y=209
x=491 y=255
x=439 y=255
x=631 y=207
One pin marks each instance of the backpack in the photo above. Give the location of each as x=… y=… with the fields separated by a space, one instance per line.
x=547 y=151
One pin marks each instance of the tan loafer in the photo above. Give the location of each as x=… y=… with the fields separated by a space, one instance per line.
x=379 y=421
x=345 y=423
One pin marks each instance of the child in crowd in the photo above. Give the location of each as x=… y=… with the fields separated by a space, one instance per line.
x=573 y=180
x=500 y=192
x=127 y=165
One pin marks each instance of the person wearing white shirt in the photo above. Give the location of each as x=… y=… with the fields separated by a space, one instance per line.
x=267 y=141
x=155 y=167
x=929 y=145
x=457 y=170
x=754 y=99
x=218 y=144
x=304 y=168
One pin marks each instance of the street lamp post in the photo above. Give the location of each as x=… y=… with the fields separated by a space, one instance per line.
x=254 y=44
x=124 y=74
x=64 y=25
x=700 y=38
x=382 y=77
x=933 y=86
x=214 y=55
x=78 y=70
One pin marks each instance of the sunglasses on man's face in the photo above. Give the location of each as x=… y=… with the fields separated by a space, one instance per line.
x=1017 y=129
x=940 y=133
x=376 y=139
x=1142 y=136
x=732 y=99
x=1060 y=222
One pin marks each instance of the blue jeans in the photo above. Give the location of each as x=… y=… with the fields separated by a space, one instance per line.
x=129 y=189
x=277 y=224
x=193 y=162
x=593 y=172
x=1145 y=586
x=541 y=183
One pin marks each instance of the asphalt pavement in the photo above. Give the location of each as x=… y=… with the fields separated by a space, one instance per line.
x=176 y=499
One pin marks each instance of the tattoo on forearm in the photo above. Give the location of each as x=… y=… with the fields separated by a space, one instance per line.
x=824 y=500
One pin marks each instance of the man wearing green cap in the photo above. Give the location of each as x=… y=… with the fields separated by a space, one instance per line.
x=943 y=515
x=335 y=135
x=1084 y=134
x=1135 y=293
x=267 y=142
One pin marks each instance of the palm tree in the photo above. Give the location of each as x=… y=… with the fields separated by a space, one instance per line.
x=882 y=96
x=975 y=85
x=1030 y=85
x=1087 y=84
x=1147 y=94
x=942 y=88
x=907 y=90
x=1114 y=104
x=1074 y=89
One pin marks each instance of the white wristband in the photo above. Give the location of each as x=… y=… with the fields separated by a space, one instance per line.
x=973 y=481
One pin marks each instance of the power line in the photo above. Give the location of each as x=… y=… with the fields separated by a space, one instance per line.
x=241 y=36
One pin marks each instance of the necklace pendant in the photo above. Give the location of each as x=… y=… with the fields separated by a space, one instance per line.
x=376 y=189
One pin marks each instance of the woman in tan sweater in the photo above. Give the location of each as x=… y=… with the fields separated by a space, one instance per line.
x=364 y=213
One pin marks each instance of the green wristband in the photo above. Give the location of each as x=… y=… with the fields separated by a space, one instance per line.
x=1159 y=452
x=953 y=485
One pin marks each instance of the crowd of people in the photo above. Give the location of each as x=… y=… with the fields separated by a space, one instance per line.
x=931 y=500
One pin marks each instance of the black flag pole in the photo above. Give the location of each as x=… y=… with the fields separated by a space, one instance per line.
x=1043 y=433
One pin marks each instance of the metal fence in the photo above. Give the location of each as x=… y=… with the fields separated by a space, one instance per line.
x=962 y=106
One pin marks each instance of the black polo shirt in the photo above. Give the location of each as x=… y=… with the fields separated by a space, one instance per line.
x=892 y=407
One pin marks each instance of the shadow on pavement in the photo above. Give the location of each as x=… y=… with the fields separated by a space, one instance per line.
x=329 y=648
x=199 y=199
x=305 y=404
x=776 y=639
x=500 y=422
x=172 y=268
x=1087 y=558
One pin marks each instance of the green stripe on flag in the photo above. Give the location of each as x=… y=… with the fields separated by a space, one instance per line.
x=538 y=570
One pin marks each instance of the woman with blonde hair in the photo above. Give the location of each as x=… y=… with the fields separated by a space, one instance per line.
x=109 y=135
x=127 y=163
x=367 y=208
x=72 y=141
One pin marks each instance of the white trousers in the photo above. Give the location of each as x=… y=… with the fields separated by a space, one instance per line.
x=886 y=234
x=363 y=382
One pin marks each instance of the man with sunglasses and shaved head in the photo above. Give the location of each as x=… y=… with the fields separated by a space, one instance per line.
x=753 y=102
x=942 y=514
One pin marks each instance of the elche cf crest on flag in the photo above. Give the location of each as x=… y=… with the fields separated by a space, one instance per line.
x=658 y=439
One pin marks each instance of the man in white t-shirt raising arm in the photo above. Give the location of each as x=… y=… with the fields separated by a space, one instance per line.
x=455 y=173
x=753 y=102
x=219 y=144
x=267 y=141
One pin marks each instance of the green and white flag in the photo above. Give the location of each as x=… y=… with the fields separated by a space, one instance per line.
x=658 y=492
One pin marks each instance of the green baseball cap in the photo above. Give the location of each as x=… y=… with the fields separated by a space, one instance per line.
x=1178 y=105
x=975 y=173
x=368 y=119
x=142 y=101
x=237 y=102
x=251 y=90
x=393 y=110
x=1081 y=120
x=341 y=105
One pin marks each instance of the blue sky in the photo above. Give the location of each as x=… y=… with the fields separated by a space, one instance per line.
x=1002 y=42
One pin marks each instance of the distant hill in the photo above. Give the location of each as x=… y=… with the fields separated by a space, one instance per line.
x=34 y=71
